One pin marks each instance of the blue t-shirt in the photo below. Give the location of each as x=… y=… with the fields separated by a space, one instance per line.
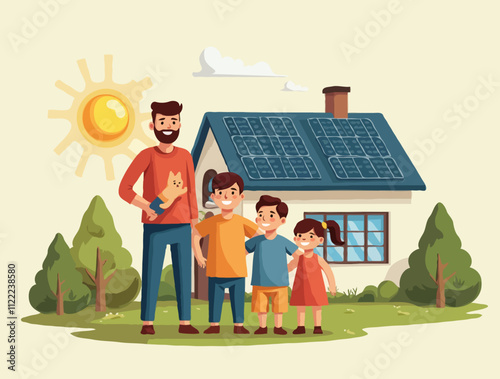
x=269 y=261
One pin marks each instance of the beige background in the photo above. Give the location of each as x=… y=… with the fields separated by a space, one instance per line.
x=428 y=57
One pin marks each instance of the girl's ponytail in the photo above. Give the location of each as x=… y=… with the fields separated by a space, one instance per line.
x=334 y=230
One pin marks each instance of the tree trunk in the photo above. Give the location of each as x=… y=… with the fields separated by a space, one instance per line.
x=441 y=282
x=60 y=296
x=100 y=282
x=100 y=295
x=440 y=298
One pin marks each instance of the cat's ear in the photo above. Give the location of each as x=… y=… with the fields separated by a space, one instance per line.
x=171 y=176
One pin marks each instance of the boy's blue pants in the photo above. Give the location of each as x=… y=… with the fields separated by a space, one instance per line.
x=156 y=239
x=216 y=289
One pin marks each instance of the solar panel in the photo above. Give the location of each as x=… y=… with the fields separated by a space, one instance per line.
x=267 y=145
x=243 y=126
x=271 y=148
x=277 y=146
x=354 y=149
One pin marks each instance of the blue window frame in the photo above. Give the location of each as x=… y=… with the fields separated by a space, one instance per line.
x=366 y=235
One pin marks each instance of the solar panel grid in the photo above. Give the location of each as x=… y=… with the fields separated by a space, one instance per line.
x=271 y=148
x=354 y=149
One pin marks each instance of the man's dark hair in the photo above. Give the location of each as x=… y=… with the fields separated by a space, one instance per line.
x=266 y=200
x=225 y=180
x=170 y=108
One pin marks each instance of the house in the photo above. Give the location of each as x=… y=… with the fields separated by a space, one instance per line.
x=349 y=167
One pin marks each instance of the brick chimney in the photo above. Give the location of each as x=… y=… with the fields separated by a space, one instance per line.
x=336 y=101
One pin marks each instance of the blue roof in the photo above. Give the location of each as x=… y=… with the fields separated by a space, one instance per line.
x=310 y=151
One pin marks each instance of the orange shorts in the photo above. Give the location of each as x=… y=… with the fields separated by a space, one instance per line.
x=260 y=299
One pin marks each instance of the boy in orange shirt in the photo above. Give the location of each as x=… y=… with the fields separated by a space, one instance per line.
x=226 y=259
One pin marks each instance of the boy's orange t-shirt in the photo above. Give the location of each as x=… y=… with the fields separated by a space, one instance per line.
x=226 y=245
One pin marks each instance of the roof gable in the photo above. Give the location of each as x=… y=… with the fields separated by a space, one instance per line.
x=310 y=151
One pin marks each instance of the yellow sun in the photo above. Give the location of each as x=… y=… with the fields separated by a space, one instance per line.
x=106 y=115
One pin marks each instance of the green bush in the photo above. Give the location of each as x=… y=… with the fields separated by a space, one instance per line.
x=123 y=288
x=248 y=297
x=351 y=296
x=367 y=298
x=368 y=295
x=167 y=284
x=387 y=290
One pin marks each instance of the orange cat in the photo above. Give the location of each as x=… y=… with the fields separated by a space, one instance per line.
x=173 y=190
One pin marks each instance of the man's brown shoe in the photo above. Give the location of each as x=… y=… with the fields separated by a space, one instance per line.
x=261 y=331
x=240 y=330
x=148 y=329
x=213 y=329
x=188 y=329
x=280 y=331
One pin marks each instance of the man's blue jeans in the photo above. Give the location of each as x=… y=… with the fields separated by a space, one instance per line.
x=216 y=289
x=156 y=239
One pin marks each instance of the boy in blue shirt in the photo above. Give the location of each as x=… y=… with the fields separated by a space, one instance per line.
x=270 y=271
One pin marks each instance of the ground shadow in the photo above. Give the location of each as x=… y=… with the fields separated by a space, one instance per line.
x=340 y=321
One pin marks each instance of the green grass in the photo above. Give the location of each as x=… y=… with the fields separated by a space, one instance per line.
x=340 y=321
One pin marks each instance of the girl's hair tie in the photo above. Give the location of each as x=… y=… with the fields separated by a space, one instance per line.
x=324 y=225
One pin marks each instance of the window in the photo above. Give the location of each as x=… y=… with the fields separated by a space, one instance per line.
x=366 y=236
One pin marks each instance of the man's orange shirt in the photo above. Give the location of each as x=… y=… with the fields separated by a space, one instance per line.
x=226 y=245
x=156 y=167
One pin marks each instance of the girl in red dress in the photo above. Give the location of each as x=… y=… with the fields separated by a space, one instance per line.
x=309 y=287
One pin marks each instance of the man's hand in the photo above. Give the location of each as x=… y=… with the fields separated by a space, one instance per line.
x=143 y=204
x=152 y=215
x=202 y=261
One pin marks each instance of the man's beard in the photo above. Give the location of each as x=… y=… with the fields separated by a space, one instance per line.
x=166 y=138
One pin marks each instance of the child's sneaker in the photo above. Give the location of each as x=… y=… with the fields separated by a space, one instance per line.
x=300 y=330
x=280 y=331
x=240 y=330
x=148 y=329
x=213 y=329
x=261 y=331
x=318 y=330
x=188 y=329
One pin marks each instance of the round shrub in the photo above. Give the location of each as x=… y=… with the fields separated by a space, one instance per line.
x=366 y=298
x=387 y=290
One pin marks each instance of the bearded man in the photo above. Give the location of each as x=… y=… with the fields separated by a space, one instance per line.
x=173 y=226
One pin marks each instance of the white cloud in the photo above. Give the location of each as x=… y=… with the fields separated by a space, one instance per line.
x=214 y=64
x=291 y=86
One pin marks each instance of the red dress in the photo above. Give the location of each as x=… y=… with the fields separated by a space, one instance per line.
x=309 y=287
